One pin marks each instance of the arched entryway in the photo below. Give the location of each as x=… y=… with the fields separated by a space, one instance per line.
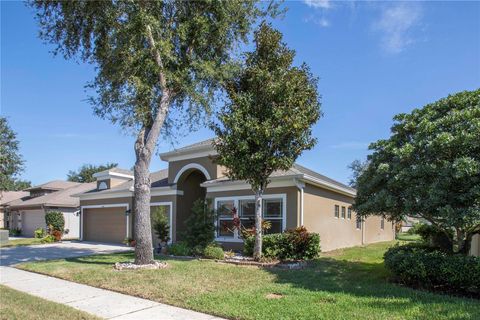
x=189 y=182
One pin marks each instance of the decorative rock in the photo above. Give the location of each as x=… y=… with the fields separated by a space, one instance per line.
x=133 y=266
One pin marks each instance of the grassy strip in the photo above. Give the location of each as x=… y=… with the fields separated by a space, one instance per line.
x=18 y=305
x=22 y=242
x=345 y=284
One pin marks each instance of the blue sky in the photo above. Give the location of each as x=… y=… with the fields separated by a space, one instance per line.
x=374 y=60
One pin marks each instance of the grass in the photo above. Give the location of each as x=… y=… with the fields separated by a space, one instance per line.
x=22 y=242
x=18 y=305
x=403 y=236
x=345 y=284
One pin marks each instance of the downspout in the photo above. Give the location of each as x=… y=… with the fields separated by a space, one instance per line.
x=301 y=187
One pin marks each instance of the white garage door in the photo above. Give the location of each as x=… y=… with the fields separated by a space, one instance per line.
x=32 y=220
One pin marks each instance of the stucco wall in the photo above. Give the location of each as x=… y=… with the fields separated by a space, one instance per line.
x=319 y=217
x=475 y=245
x=373 y=232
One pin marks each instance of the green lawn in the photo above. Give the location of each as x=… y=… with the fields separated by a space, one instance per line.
x=22 y=242
x=403 y=236
x=18 y=305
x=346 y=284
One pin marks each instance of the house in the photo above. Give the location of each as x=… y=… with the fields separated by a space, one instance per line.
x=28 y=213
x=5 y=197
x=294 y=198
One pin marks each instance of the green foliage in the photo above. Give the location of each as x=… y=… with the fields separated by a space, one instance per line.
x=15 y=232
x=293 y=244
x=200 y=224
x=213 y=251
x=415 y=227
x=48 y=239
x=56 y=220
x=435 y=237
x=179 y=249
x=40 y=233
x=433 y=269
x=11 y=162
x=272 y=107
x=429 y=167
x=357 y=168
x=85 y=173
x=160 y=224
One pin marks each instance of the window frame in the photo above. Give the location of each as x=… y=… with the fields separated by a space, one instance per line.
x=358 y=222
x=236 y=203
x=382 y=223
x=349 y=213
x=336 y=211
x=343 y=213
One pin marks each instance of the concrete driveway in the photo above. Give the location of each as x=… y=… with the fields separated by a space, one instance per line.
x=67 y=249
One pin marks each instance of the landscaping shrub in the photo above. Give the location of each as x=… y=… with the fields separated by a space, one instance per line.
x=414 y=229
x=160 y=224
x=213 y=251
x=430 y=268
x=15 y=232
x=56 y=220
x=179 y=249
x=39 y=233
x=48 y=239
x=434 y=237
x=293 y=244
x=199 y=226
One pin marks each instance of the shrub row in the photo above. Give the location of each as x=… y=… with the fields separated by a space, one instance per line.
x=211 y=251
x=429 y=268
x=293 y=244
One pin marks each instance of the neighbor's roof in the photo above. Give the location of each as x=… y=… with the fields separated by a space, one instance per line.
x=157 y=178
x=7 y=196
x=61 y=198
x=54 y=185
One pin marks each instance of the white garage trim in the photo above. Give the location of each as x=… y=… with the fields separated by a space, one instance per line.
x=170 y=215
x=126 y=205
x=192 y=166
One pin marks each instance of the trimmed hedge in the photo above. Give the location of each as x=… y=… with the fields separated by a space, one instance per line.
x=293 y=244
x=213 y=251
x=56 y=220
x=428 y=268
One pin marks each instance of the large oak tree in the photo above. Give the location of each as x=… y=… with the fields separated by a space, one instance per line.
x=429 y=168
x=267 y=123
x=154 y=60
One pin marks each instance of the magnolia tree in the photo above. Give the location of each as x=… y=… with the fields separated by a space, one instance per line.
x=429 y=168
x=155 y=61
x=267 y=123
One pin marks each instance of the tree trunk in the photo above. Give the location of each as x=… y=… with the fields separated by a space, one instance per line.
x=142 y=224
x=257 y=251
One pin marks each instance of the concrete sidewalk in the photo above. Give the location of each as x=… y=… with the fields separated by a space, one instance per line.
x=103 y=303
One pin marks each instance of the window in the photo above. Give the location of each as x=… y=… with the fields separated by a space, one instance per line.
x=349 y=213
x=382 y=223
x=225 y=218
x=272 y=211
x=343 y=212
x=359 y=222
x=337 y=211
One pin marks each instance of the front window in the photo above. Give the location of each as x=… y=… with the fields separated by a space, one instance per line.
x=343 y=212
x=272 y=211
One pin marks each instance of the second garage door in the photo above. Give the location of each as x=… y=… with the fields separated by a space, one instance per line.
x=104 y=224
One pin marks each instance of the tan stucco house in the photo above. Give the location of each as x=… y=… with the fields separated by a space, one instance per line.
x=28 y=212
x=294 y=198
x=6 y=197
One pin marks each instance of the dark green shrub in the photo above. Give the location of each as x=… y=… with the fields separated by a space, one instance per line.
x=434 y=237
x=293 y=244
x=15 y=232
x=179 y=249
x=200 y=225
x=160 y=224
x=414 y=228
x=431 y=268
x=56 y=220
x=48 y=239
x=213 y=251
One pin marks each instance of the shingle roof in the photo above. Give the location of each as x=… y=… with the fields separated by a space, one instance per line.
x=7 y=196
x=61 y=198
x=317 y=175
x=54 y=185
x=158 y=179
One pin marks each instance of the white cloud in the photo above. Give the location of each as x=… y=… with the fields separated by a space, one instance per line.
x=397 y=22
x=320 y=21
x=324 y=4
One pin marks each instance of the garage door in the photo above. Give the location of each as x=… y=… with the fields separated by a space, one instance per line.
x=104 y=224
x=32 y=220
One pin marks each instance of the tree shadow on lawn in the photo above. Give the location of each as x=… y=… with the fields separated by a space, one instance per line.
x=103 y=259
x=370 y=281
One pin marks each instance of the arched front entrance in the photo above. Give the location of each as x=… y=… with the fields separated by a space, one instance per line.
x=188 y=182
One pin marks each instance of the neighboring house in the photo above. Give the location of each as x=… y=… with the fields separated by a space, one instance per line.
x=408 y=223
x=5 y=197
x=28 y=213
x=294 y=198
